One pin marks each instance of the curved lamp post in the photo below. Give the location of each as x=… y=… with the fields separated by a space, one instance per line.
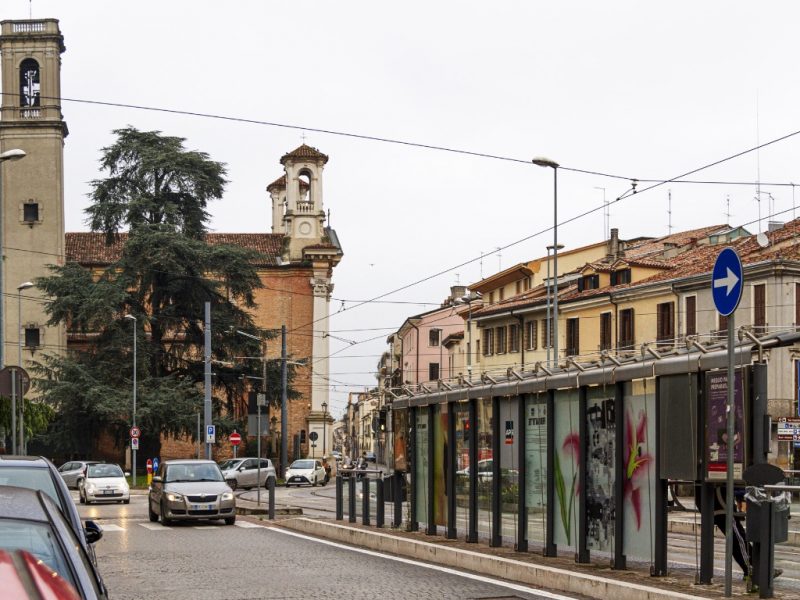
x=541 y=161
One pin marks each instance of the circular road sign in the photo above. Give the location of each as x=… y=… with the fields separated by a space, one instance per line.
x=726 y=282
x=135 y=433
x=9 y=373
x=313 y=436
x=235 y=439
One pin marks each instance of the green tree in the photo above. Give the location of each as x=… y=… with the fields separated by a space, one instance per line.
x=165 y=273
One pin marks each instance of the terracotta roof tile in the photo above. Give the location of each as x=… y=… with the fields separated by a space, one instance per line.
x=304 y=152
x=280 y=184
x=90 y=249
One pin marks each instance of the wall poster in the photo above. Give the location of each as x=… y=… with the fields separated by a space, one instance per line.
x=600 y=477
x=717 y=424
x=639 y=404
x=567 y=454
x=421 y=466
x=536 y=451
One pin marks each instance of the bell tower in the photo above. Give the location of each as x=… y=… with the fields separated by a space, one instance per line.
x=31 y=188
x=304 y=215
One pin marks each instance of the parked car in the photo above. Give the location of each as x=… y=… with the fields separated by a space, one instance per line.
x=104 y=482
x=305 y=471
x=485 y=466
x=38 y=473
x=75 y=470
x=243 y=472
x=190 y=490
x=25 y=577
x=31 y=521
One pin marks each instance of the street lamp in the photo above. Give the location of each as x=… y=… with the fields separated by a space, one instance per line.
x=546 y=162
x=19 y=393
x=547 y=294
x=324 y=427
x=8 y=155
x=133 y=450
x=468 y=300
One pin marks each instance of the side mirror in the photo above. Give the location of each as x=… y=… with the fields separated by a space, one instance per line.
x=156 y=479
x=93 y=532
x=240 y=468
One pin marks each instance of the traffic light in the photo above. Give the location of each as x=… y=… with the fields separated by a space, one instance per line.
x=302 y=436
x=382 y=420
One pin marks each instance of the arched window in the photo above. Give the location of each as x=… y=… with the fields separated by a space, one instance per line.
x=304 y=181
x=29 y=83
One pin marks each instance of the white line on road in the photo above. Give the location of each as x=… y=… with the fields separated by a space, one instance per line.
x=111 y=527
x=249 y=525
x=499 y=582
x=154 y=526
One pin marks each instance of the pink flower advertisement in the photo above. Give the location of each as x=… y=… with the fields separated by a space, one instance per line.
x=639 y=486
x=567 y=454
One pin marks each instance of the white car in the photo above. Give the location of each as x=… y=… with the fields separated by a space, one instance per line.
x=104 y=482
x=243 y=472
x=306 y=470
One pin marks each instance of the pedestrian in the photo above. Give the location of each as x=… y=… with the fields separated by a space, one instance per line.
x=327 y=467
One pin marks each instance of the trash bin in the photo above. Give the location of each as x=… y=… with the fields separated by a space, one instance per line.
x=767 y=524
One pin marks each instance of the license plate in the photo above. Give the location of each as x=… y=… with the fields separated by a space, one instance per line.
x=108 y=492
x=297 y=479
x=202 y=506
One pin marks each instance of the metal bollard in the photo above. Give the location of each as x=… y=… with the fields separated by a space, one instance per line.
x=398 y=499
x=339 y=498
x=351 y=501
x=365 y=500
x=379 y=501
x=271 y=491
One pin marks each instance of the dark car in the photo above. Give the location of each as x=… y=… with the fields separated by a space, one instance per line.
x=32 y=522
x=38 y=473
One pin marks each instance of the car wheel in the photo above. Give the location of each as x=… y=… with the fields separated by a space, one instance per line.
x=287 y=484
x=230 y=520
x=231 y=483
x=314 y=482
x=128 y=501
x=164 y=520
x=153 y=516
x=80 y=496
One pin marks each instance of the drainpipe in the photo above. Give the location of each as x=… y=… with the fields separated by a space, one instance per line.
x=677 y=313
x=615 y=326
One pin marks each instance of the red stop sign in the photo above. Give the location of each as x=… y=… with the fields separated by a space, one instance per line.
x=235 y=439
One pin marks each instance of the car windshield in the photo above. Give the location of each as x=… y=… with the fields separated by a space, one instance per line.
x=37 y=538
x=100 y=471
x=31 y=478
x=229 y=464
x=302 y=464
x=193 y=472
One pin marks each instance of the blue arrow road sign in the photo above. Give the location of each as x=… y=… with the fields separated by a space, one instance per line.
x=155 y=464
x=726 y=282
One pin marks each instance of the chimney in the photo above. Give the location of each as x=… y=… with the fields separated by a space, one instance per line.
x=613 y=245
x=456 y=291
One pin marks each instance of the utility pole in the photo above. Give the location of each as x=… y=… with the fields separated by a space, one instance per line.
x=207 y=403
x=284 y=405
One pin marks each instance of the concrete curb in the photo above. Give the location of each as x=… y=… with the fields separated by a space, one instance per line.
x=551 y=578
x=283 y=511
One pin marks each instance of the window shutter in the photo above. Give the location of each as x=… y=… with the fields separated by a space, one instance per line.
x=691 y=315
x=760 y=306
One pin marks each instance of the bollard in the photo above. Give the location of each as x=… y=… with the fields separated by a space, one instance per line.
x=339 y=498
x=271 y=493
x=351 y=501
x=365 y=500
x=397 y=517
x=379 y=501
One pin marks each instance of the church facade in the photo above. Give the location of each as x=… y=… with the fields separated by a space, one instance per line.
x=297 y=261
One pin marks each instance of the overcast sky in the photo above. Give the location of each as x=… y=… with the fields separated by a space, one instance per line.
x=641 y=90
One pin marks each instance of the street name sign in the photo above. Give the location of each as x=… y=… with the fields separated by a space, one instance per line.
x=726 y=278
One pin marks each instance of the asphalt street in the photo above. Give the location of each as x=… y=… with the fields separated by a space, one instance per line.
x=254 y=559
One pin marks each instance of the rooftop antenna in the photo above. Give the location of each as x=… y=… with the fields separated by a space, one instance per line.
x=458 y=279
x=758 y=164
x=303 y=137
x=481 y=263
x=669 y=212
x=30 y=9
x=728 y=209
x=329 y=217
x=606 y=216
x=499 y=260
x=793 y=213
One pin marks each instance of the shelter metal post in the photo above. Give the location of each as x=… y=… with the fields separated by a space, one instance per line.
x=472 y=526
x=522 y=508
x=497 y=514
x=550 y=548
x=450 y=470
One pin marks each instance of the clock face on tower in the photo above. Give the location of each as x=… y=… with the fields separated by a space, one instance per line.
x=304 y=228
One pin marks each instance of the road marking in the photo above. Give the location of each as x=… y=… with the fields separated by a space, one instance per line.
x=206 y=527
x=111 y=527
x=248 y=525
x=154 y=526
x=514 y=586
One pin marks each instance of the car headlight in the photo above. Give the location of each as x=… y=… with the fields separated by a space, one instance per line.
x=90 y=487
x=227 y=496
x=173 y=497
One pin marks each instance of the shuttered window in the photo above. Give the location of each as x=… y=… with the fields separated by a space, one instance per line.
x=513 y=338
x=626 y=340
x=691 y=315
x=760 y=307
x=500 y=340
x=605 y=331
x=573 y=339
x=531 y=334
x=665 y=323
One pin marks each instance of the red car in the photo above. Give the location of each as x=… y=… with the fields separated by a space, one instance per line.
x=24 y=577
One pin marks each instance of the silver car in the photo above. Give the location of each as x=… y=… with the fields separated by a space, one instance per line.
x=243 y=472
x=72 y=472
x=190 y=490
